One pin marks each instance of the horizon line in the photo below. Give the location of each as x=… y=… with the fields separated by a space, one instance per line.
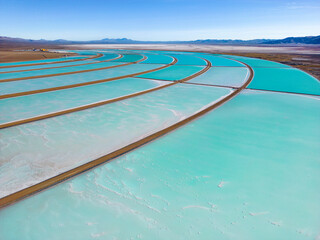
x=190 y=40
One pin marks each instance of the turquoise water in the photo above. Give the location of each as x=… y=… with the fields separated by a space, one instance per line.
x=221 y=62
x=42 y=61
x=46 y=66
x=39 y=150
x=57 y=70
x=49 y=82
x=18 y=108
x=254 y=62
x=285 y=79
x=172 y=52
x=223 y=76
x=85 y=52
x=188 y=60
x=173 y=73
x=153 y=58
x=107 y=56
x=247 y=170
x=129 y=58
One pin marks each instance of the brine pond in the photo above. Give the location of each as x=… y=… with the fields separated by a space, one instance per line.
x=141 y=144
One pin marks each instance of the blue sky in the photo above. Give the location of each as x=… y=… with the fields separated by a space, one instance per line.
x=159 y=19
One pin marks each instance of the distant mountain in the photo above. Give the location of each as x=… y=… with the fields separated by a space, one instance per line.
x=230 y=41
x=7 y=41
x=296 y=40
x=288 y=41
x=117 y=40
x=22 y=40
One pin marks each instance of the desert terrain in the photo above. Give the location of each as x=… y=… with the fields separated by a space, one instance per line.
x=19 y=55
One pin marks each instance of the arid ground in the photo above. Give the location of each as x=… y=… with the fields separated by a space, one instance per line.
x=16 y=56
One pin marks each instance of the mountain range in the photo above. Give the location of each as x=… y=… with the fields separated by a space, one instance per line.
x=286 y=41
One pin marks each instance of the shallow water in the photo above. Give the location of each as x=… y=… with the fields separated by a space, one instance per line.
x=217 y=61
x=154 y=58
x=173 y=73
x=248 y=170
x=254 y=62
x=46 y=66
x=107 y=56
x=28 y=106
x=40 y=72
x=129 y=58
x=85 y=52
x=286 y=80
x=56 y=81
x=42 y=149
x=223 y=76
x=184 y=59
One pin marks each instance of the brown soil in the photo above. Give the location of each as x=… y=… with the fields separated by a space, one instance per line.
x=18 y=56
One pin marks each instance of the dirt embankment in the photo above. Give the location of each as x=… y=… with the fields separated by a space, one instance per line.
x=18 y=56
